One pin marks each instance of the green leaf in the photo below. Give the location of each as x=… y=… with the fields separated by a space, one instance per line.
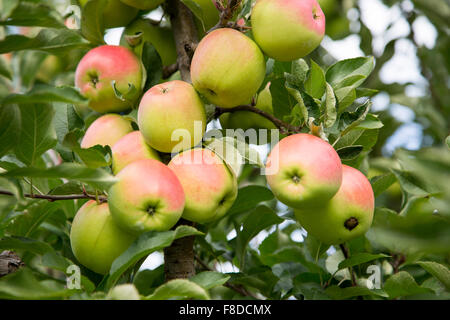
x=330 y=112
x=145 y=280
x=249 y=197
x=196 y=9
x=24 y=285
x=410 y=183
x=349 y=152
x=55 y=41
x=37 y=134
x=345 y=97
x=441 y=272
x=351 y=120
x=34 y=14
x=403 y=284
x=315 y=84
x=352 y=72
x=10 y=120
x=152 y=64
x=25 y=244
x=92 y=27
x=299 y=70
x=382 y=183
x=338 y=293
x=5 y=69
x=97 y=178
x=124 y=96
x=360 y=258
x=210 y=279
x=370 y=122
x=66 y=120
x=44 y=93
x=365 y=92
x=282 y=101
x=179 y=289
x=7 y=7
x=259 y=219
x=146 y=243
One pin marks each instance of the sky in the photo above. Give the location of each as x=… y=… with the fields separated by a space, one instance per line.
x=385 y=24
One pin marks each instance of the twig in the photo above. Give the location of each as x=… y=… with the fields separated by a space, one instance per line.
x=169 y=70
x=284 y=127
x=398 y=260
x=346 y=256
x=52 y=198
x=226 y=14
x=239 y=289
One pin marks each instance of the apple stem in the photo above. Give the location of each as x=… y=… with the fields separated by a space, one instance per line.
x=226 y=14
x=346 y=254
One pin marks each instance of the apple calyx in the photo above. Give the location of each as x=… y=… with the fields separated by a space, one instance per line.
x=351 y=223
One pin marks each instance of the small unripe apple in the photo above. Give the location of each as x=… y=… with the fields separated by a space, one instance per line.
x=95 y=238
x=303 y=170
x=129 y=148
x=346 y=216
x=99 y=68
x=172 y=117
x=227 y=68
x=148 y=197
x=143 y=4
x=287 y=30
x=116 y=13
x=160 y=37
x=106 y=130
x=209 y=185
x=249 y=120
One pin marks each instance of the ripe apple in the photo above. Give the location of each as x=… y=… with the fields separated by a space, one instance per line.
x=227 y=68
x=95 y=238
x=209 y=185
x=287 y=30
x=303 y=170
x=102 y=65
x=249 y=120
x=172 y=117
x=143 y=4
x=147 y=197
x=106 y=130
x=346 y=216
x=115 y=13
x=130 y=148
x=160 y=37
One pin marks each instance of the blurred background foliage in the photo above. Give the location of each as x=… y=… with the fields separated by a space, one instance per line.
x=408 y=165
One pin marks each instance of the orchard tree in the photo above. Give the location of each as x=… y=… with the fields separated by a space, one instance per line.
x=224 y=136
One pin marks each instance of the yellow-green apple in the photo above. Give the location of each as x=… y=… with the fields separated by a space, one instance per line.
x=209 y=185
x=96 y=239
x=171 y=116
x=346 y=216
x=148 y=196
x=303 y=170
x=227 y=68
x=115 y=13
x=99 y=68
x=287 y=30
x=106 y=130
x=249 y=120
x=130 y=148
x=143 y=4
x=160 y=37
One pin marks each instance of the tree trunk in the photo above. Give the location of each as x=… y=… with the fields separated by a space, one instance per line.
x=179 y=257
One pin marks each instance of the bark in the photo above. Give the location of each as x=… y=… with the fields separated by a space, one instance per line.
x=9 y=263
x=179 y=257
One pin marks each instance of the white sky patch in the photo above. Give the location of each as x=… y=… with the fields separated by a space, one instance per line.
x=153 y=261
x=343 y=49
x=425 y=34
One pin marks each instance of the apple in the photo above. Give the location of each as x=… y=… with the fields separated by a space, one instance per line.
x=227 y=68
x=143 y=4
x=160 y=37
x=147 y=197
x=106 y=130
x=95 y=238
x=102 y=65
x=209 y=185
x=303 y=170
x=287 y=30
x=129 y=148
x=249 y=120
x=171 y=116
x=115 y=13
x=346 y=216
